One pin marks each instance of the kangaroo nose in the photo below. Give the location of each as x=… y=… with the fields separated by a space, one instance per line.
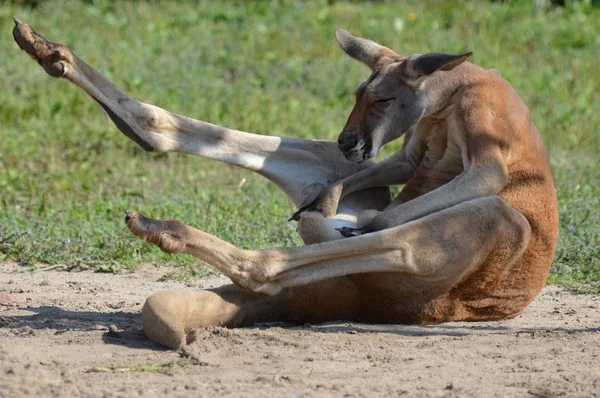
x=347 y=140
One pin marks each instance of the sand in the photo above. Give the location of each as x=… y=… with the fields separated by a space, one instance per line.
x=79 y=334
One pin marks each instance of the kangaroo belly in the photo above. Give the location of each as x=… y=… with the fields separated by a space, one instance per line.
x=441 y=163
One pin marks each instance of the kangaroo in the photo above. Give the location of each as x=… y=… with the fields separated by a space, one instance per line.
x=470 y=237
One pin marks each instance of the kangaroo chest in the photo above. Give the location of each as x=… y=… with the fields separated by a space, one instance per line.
x=438 y=150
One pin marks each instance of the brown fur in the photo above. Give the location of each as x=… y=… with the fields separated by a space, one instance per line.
x=470 y=237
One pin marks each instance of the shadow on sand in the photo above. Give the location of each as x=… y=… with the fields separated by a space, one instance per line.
x=129 y=330
x=128 y=325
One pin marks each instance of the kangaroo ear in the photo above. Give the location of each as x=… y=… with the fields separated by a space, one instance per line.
x=426 y=64
x=416 y=69
x=366 y=51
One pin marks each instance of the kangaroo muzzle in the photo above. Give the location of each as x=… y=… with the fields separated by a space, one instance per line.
x=354 y=146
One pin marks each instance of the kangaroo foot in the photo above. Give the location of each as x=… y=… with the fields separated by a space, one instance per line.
x=168 y=235
x=53 y=57
x=173 y=236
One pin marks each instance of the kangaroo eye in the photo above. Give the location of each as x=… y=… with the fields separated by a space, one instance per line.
x=383 y=101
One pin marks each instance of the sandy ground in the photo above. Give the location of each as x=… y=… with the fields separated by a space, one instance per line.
x=55 y=341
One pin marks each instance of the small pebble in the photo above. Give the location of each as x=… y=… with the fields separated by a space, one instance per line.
x=113 y=331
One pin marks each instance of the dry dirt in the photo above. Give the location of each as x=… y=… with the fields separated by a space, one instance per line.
x=55 y=341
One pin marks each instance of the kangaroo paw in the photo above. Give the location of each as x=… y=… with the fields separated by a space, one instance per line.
x=53 y=57
x=168 y=235
x=349 y=232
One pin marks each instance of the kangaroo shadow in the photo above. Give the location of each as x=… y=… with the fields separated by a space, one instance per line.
x=127 y=329
x=448 y=329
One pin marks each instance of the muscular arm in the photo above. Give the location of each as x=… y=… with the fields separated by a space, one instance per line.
x=484 y=176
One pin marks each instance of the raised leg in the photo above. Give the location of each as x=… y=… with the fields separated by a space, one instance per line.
x=387 y=276
x=447 y=245
x=300 y=167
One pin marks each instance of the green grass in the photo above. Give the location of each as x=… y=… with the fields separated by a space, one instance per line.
x=166 y=368
x=67 y=175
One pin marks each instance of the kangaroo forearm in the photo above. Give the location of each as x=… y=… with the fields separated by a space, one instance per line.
x=388 y=172
x=473 y=183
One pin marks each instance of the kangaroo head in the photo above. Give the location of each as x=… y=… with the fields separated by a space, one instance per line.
x=393 y=99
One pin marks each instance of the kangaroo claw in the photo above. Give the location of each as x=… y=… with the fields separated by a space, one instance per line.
x=296 y=216
x=51 y=56
x=349 y=232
